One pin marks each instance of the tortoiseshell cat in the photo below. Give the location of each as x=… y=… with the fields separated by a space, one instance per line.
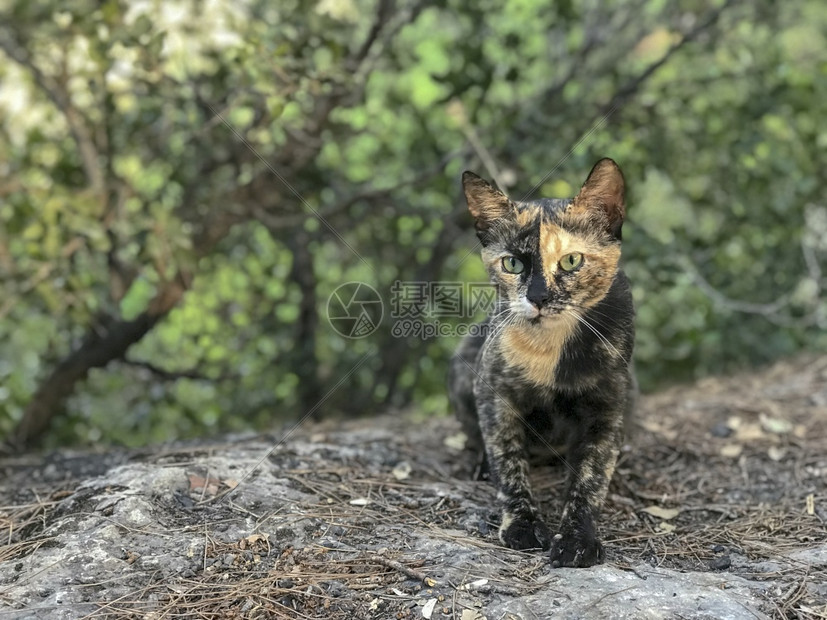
x=556 y=361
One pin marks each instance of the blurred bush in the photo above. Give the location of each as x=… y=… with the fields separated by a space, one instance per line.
x=184 y=184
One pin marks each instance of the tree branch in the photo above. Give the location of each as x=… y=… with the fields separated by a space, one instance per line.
x=374 y=45
x=633 y=85
x=276 y=221
x=383 y=11
x=98 y=349
x=174 y=375
x=74 y=118
x=770 y=311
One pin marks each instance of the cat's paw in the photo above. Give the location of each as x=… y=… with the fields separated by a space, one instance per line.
x=522 y=533
x=576 y=549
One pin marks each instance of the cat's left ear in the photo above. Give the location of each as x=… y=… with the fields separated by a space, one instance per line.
x=485 y=202
x=603 y=196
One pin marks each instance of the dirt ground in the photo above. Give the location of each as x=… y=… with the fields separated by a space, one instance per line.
x=723 y=486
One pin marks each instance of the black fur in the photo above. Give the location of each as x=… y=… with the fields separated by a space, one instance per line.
x=552 y=378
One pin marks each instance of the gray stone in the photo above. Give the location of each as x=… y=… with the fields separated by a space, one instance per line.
x=650 y=594
x=127 y=529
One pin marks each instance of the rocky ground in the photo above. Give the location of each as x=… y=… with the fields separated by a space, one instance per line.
x=718 y=510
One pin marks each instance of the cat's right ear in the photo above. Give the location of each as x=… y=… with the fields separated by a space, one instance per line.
x=602 y=196
x=485 y=202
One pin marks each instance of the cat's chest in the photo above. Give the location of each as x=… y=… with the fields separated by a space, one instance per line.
x=533 y=355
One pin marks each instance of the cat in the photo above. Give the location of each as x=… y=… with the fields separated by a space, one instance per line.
x=553 y=360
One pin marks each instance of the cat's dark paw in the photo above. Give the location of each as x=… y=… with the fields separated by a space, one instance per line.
x=577 y=550
x=520 y=533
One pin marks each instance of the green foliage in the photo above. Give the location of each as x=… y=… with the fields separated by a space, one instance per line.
x=205 y=127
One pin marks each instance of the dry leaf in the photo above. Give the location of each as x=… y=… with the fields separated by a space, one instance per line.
x=749 y=432
x=776 y=453
x=254 y=538
x=430 y=582
x=374 y=605
x=471 y=614
x=732 y=450
x=811 y=504
x=402 y=470
x=778 y=426
x=197 y=482
x=209 y=485
x=428 y=608
x=662 y=513
x=456 y=442
x=665 y=527
x=231 y=483
x=653 y=426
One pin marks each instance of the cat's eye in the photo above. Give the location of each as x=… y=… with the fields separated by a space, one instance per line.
x=572 y=261
x=512 y=264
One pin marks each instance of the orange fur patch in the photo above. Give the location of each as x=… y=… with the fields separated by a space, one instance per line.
x=537 y=351
x=526 y=216
x=599 y=266
x=555 y=243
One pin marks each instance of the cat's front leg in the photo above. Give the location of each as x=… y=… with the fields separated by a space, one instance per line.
x=593 y=454
x=503 y=432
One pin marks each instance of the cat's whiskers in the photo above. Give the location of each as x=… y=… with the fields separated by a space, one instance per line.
x=493 y=317
x=592 y=310
x=595 y=315
x=603 y=304
x=498 y=329
x=509 y=320
x=594 y=330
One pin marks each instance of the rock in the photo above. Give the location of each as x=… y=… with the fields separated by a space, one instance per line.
x=721 y=430
x=606 y=592
x=244 y=525
x=720 y=563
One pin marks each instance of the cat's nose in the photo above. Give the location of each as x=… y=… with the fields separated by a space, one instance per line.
x=538 y=293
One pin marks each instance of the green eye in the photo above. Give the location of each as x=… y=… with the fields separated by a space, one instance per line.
x=572 y=261
x=512 y=264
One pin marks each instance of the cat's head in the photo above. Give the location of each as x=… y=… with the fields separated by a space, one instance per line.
x=549 y=258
